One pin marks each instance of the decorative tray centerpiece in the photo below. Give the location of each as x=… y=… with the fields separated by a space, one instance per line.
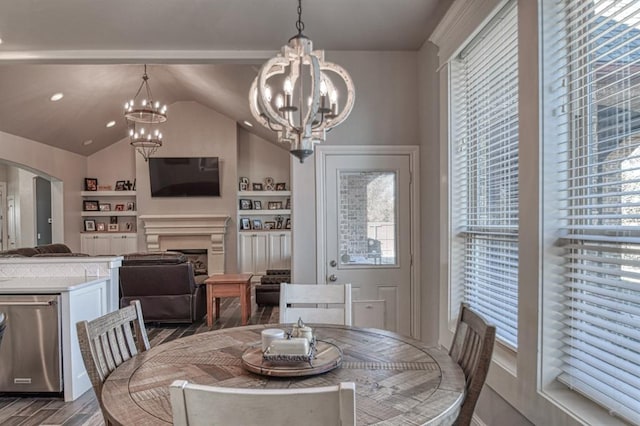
x=294 y=353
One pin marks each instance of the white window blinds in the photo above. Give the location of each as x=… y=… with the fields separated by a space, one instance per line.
x=484 y=173
x=598 y=88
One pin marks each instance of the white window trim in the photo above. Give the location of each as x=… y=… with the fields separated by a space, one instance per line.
x=515 y=377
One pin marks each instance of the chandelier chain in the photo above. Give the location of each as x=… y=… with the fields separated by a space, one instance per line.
x=299 y=23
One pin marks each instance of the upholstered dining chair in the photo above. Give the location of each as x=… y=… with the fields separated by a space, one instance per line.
x=471 y=348
x=108 y=341
x=3 y=325
x=198 y=405
x=301 y=300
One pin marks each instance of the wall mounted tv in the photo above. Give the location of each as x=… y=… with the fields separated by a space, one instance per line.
x=184 y=177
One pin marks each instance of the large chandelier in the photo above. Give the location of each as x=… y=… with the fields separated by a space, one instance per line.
x=308 y=107
x=144 y=116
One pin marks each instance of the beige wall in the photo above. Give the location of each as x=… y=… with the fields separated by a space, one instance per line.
x=113 y=163
x=258 y=158
x=49 y=162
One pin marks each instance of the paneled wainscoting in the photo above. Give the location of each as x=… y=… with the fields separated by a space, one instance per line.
x=85 y=411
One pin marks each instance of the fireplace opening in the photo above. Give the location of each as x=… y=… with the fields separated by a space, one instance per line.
x=198 y=257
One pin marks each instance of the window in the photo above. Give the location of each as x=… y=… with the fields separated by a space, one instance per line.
x=484 y=174
x=598 y=89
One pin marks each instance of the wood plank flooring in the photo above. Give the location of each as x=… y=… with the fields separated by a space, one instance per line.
x=32 y=411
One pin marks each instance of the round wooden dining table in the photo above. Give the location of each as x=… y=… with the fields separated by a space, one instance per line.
x=398 y=380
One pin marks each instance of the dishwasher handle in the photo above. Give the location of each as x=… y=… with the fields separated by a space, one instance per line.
x=48 y=303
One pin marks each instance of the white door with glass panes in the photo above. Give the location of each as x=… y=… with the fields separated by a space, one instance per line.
x=367 y=219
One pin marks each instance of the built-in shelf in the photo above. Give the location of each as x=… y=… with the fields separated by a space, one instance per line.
x=108 y=232
x=264 y=193
x=109 y=213
x=263 y=212
x=108 y=193
x=263 y=231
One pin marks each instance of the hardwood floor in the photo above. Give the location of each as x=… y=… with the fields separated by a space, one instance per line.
x=31 y=411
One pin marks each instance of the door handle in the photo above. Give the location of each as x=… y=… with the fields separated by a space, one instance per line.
x=333 y=278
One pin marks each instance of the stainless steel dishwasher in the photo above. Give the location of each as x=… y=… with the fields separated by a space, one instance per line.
x=30 y=354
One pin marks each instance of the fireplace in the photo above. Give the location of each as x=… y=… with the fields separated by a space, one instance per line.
x=197 y=257
x=189 y=232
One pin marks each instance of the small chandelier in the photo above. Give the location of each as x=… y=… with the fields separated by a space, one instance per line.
x=143 y=117
x=307 y=108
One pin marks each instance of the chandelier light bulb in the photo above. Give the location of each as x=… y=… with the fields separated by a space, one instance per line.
x=288 y=86
x=334 y=96
x=279 y=101
x=267 y=93
x=130 y=132
x=323 y=87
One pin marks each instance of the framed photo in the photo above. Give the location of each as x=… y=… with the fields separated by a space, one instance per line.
x=130 y=205
x=101 y=226
x=245 y=224
x=245 y=204
x=275 y=205
x=119 y=207
x=113 y=227
x=281 y=186
x=120 y=185
x=244 y=184
x=269 y=225
x=89 y=225
x=287 y=224
x=288 y=205
x=90 y=184
x=113 y=219
x=105 y=207
x=257 y=205
x=90 y=205
x=128 y=226
x=257 y=186
x=257 y=224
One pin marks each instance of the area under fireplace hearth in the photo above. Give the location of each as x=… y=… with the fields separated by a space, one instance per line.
x=197 y=257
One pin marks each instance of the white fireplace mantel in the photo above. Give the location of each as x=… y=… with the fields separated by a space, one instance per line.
x=189 y=231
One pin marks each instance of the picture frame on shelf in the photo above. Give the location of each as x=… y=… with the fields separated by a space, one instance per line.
x=90 y=205
x=128 y=226
x=245 y=204
x=119 y=207
x=113 y=227
x=130 y=206
x=287 y=224
x=89 y=225
x=105 y=207
x=275 y=205
x=257 y=205
x=269 y=225
x=257 y=186
x=113 y=219
x=104 y=188
x=101 y=226
x=257 y=224
x=120 y=185
x=281 y=186
x=90 y=184
x=245 y=224
x=279 y=220
x=288 y=204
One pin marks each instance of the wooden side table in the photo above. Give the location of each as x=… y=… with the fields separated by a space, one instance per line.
x=229 y=285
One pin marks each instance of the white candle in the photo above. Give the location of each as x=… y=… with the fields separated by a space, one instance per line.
x=294 y=346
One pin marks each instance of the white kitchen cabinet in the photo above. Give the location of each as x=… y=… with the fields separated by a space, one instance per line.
x=97 y=244
x=253 y=253
x=279 y=250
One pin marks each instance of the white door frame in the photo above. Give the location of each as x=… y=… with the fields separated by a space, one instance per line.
x=321 y=152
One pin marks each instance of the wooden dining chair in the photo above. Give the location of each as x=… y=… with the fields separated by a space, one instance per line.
x=198 y=405
x=108 y=341
x=3 y=325
x=471 y=348
x=301 y=301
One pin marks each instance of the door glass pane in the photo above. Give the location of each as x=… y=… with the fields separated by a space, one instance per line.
x=367 y=218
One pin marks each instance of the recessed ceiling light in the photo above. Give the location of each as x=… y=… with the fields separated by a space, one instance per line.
x=57 y=96
x=247 y=123
x=111 y=123
x=87 y=142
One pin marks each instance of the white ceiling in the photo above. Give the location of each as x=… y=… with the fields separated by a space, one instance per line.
x=91 y=51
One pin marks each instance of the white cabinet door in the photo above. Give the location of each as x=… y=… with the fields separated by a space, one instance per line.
x=95 y=244
x=253 y=258
x=280 y=250
x=123 y=244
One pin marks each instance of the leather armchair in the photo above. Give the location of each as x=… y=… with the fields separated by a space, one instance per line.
x=165 y=285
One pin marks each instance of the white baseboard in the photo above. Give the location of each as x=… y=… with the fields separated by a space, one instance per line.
x=475 y=421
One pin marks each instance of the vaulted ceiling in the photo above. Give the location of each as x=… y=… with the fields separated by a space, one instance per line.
x=204 y=51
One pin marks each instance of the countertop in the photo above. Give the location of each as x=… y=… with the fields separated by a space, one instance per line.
x=45 y=285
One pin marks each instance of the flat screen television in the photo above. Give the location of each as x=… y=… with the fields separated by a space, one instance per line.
x=184 y=177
